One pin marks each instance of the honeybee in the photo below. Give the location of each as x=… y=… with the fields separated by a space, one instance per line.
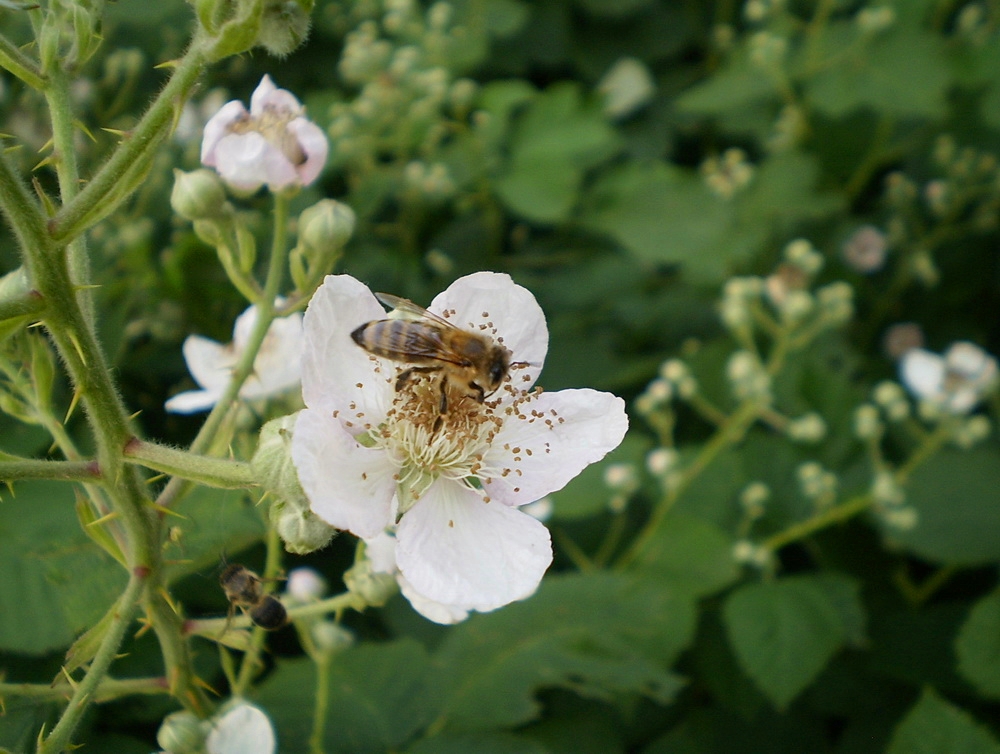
x=474 y=362
x=243 y=590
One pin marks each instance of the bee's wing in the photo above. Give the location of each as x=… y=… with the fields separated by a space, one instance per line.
x=403 y=308
x=421 y=341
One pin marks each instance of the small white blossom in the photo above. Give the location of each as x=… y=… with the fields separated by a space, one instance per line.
x=448 y=488
x=953 y=383
x=305 y=584
x=866 y=249
x=275 y=369
x=243 y=729
x=272 y=144
x=627 y=86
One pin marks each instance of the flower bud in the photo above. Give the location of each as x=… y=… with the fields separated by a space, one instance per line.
x=301 y=530
x=305 y=584
x=284 y=26
x=807 y=428
x=197 y=195
x=374 y=588
x=181 y=733
x=272 y=462
x=330 y=638
x=326 y=226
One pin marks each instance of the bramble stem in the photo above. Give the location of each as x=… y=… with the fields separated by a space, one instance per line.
x=59 y=739
x=214 y=472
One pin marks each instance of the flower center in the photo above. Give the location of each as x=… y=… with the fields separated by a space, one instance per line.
x=272 y=124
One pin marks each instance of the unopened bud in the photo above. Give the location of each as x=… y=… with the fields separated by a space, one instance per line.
x=326 y=226
x=302 y=531
x=330 y=638
x=197 y=195
x=305 y=584
x=374 y=588
x=284 y=26
x=181 y=733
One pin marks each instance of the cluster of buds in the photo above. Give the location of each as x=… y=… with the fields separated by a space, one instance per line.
x=408 y=99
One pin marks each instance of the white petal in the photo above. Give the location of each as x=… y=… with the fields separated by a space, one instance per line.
x=456 y=549
x=434 y=611
x=245 y=729
x=348 y=486
x=381 y=552
x=210 y=363
x=278 y=366
x=972 y=362
x=192 y=401
x=923 y=373
x=568 y=431
x=492 y=297
x=336 y=371
x=314 y=146
x=218 y=126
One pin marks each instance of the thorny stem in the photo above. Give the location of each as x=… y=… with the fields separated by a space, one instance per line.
x=244 y=367
x=107 y=689
x=72 y=332
x=30 y=468
x=58 y=740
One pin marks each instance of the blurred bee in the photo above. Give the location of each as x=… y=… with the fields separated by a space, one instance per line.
x=243 y=590
x=413 y=335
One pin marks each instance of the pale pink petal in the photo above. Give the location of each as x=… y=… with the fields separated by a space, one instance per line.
x=218 y=127
x=247 y=161
x=923 y=373
x=267 y=96
x=336 y=371
x=456 y=549
x=210 y=363
x=348 y=486
x=559 y=435
x=517 y=319
x=244 y=729
x=192 y=401
x=314 y=146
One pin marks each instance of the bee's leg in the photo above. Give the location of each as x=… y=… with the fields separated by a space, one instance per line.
x=477 y=392
x=406 y=374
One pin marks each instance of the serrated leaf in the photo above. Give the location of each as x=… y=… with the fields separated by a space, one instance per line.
x=56 y=581
x=737 y=85
x=480 y=743
x=900 y=72
x=935 y=726
x=597 y=634
x=378 y=698
x=557 y=138
x=784 y=632
x=690 y=554
x=978 y=646
x=955 y=497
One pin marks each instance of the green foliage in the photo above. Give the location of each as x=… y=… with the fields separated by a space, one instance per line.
x=789 y=552
x=935 y=725
x=785 y=632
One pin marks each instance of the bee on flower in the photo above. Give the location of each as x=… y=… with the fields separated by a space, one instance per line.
x=377 y=455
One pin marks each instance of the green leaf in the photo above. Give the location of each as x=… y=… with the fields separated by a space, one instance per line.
x=597 y=634
x=738 y=85
x=900 y=72
x=215 y=522
x=663 y=214
x=935 y=726
x=785 y=632
x=378 y=698
x=978 y=646
x=955 y=496
x=690 y=554
x=481 y=743
x=557 y=138
x=56 y=581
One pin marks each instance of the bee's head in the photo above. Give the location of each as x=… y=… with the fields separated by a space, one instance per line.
x=498 y=368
